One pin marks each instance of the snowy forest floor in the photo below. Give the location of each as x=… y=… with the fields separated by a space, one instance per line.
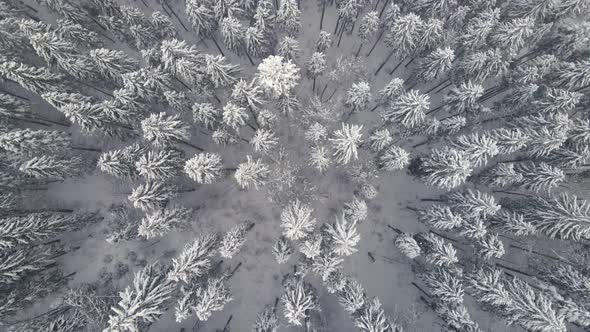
x=223 y=205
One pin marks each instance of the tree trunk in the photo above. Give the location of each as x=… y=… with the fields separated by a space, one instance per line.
x=376 y=4
x=444 y=87
x=323 y=90
x=313 y=86
x=397 y=66
x=436 y=108
x=254 y=116
x=337 y=24
x=384 y=62
x=409 y=62
x=174 y=13
x=182 y=83
x=341 y=33
x=383 y=9
x=436 y=86
x=249 y=58
x=397 y=230
x=422 y=143
x=190 y=144
x=330 y=97
x=14 y=95
x=420 y=289
x=514 y=270
x=358 y=51
x=512 y=193
x=81 y=148
x=348 y=115
x=376 y=41
x=27 y=120
x=217 y=45
x=234 y=270
x=431 y=200
x=375 y=107
x=94 y=88
x=323 y=12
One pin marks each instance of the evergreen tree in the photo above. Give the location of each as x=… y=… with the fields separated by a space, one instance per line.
x=264 y=17
x=355 y=210
x=159 y=165
x=164 y=130
x=539 y=176
x=464 y=98
x=473 y=204
x=288 y=48
x=477 y=148
x=34 y=79
x=151 y=195
x=512 y=223
x=77 y=34
x=195 y=258
x=206 y=114
x=372 y=317
x=560 y=216
x=571 y=75
x=542 y=141
x=298 y=300
x=179 y=101
x=394 y=158
x=316 y=66
x=404 y=34
x=324 y=42
x=319 y=158
x=145 y=302
x=408 y=245
x=266 y=321
x=282 y=249
x=201 y=17
x=380 y=139
x=489 y=246
x=444 y=286
x=351 y=296
x=297 y=220
x=33 y=227
x=509 y=140
x=163 y=26
x=234 y=240
x=311 y=245
x=159 y=222
x=112 y=64
x=479 y=28
x=289 y=16
x=34 y=142
x=408 y=109
x=234 y=116
x=220 y=73
x=344 y=236
x=276 y=76
x=44 y=167
x=438 y=252
x=558 y=100
x=212 y=297
x=502 y=175
x=204 y=168
x=346 y=142
x=513 y=35
x=441 y=217
x=435 y=64
x=446 y=168
x=121 y=163
x=264 y=141
x=358 y=96
x=183 y=61
x=251 y=173
x=233 y=34
x=256 y=43
x=369 y=25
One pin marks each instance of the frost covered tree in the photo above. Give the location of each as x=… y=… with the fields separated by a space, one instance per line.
x=288 y=48
x=404 y=34
x=560 y=216
x=479 y=66
x=251 y=173
x=183 y=61
x=298 y=300
x=346 y=141
x=446 y=168
x=151 y=195
x=311 y=245
x=204 y=168
x=369 y=25
x=489 y=246
x=570 y=75
x=234 y=240
x=358 y=97
x=356 y=210
x=164 y=130
x=44 y=167
x=163 y=26
x=112 y=64
x=464 y=98
x=121 y=163
x=264 y=141
x=408 y=245
x=211 y=297
x=266 y=321
x=380 y=139
x=34 y=142
x=220 y=73
x=351 y=296
x=282 y=249
x=33 y=227
x=440 y=217
x=205 y=114
x=195 y=258
x=324 y=42
x=233 y=34
x=435 y=64
x=319 y=158
x=538 y=176
x=316 y=66
x=256 y=43
x=277 y=77
x=34 y=79
x=438 y=252
x=444 y=286
x=390 y=92
x=159 y=222
x=344 y=236
x=393 y=158
x=289 y=16
x=297 y=220
x=473 y=204
x=408 y=109
x=514 y=34
x=478 y=148
x=144 y=302
x=372 y=318
x=201 y=17
x=247 y=94
x=159 y=165
x=516 y=300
